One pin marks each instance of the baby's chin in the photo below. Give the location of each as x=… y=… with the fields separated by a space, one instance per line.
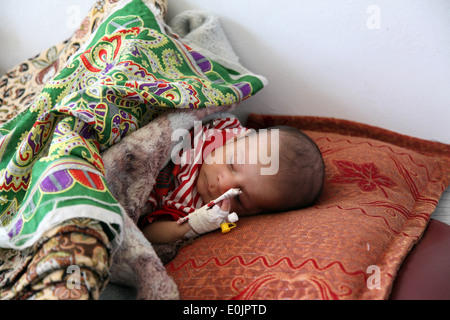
x=205 y=199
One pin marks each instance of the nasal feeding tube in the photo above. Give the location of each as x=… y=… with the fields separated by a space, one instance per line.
x=231 y=193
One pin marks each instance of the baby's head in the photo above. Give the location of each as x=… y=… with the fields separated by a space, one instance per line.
x=301 y=169
x=277 y=169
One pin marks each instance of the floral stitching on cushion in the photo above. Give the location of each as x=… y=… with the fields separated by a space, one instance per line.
x=367 y=176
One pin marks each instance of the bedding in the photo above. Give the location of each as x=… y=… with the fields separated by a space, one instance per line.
x=380 y=190
x=129 y=69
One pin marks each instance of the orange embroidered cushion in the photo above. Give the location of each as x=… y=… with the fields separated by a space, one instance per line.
x=376 y=202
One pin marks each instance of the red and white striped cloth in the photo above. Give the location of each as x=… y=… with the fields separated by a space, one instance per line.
x=175 y=194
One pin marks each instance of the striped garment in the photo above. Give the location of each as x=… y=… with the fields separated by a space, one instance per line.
x=175 y=194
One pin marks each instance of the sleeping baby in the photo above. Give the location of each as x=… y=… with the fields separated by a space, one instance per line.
x=266 y=171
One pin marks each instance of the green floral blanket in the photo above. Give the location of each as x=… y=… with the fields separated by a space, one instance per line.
x=125 y=75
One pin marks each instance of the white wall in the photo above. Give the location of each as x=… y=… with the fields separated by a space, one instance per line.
x=381 y=62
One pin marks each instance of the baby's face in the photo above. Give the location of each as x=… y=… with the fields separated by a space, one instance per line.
x=232 y=166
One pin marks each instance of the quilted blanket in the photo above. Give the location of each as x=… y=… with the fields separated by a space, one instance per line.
x=129 y=73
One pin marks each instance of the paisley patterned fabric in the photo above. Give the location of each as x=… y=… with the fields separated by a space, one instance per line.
x=70 y=262
x=20 y=85
x=128 y=72
x=41 y=271
x=380 y=190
